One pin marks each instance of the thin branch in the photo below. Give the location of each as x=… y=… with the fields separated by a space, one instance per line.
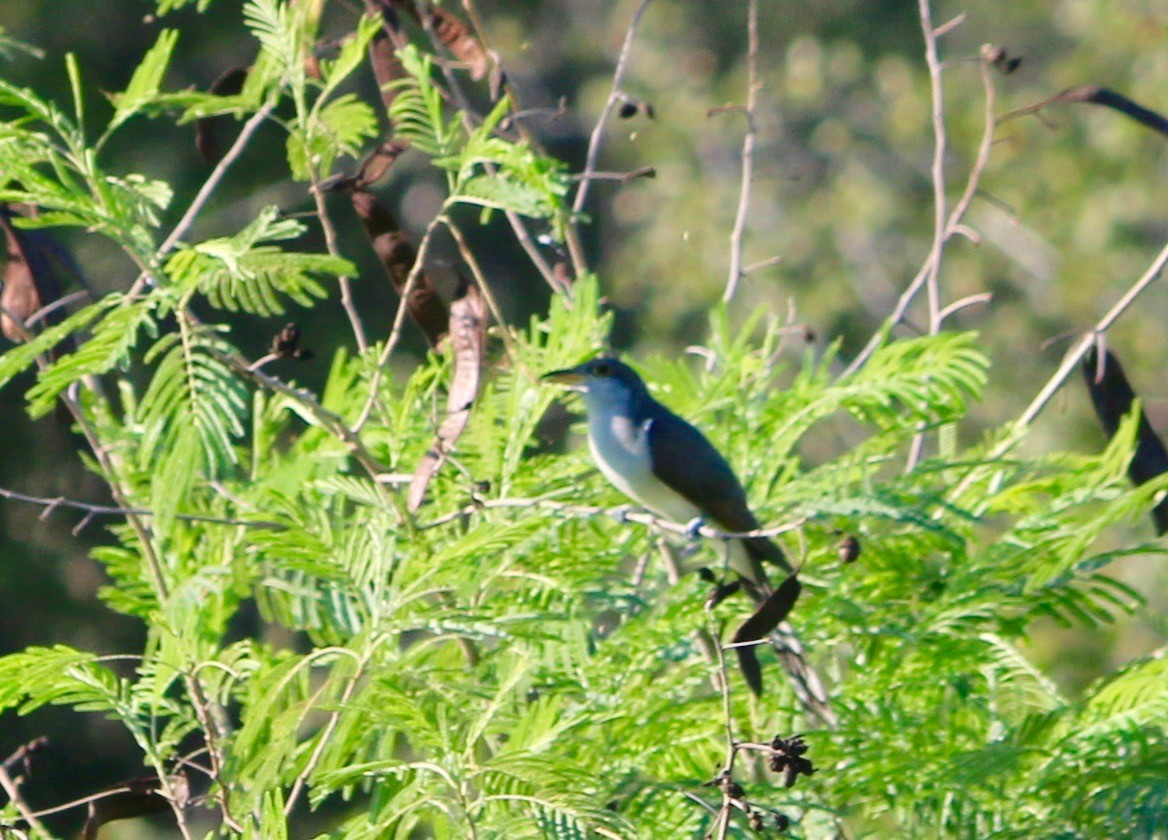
x=1069 y=365
x=965 y=302
x=92 y=510
x=933 y=264
x=59 y=303
x=204 y=194
x=726 y=775
x=330 y=242
x=481 y=281
x=571 y=235
x=1075 y=356
x=615 y=97
x=621 y=177
x=334 y=424
x=13 y=790
x=950 y=25
x=1096 y=95
x=84 y=800
x=748 y=141
x=398 y=322
x=953 y=225
x=989 y=125
x=761 y=264
x=522 y=234
x=109 y=467
x=621 y=513
x=22 y=753
x=699 y=801
x=210 y=716
x=326 y=733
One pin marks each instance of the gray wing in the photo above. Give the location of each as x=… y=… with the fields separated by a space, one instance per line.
x=689 y=464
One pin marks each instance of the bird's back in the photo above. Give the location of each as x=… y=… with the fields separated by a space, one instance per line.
x=684 y=459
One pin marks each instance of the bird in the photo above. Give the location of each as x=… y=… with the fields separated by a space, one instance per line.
x=661 y=461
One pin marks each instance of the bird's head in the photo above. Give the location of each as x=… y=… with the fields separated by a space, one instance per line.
x=603 y=379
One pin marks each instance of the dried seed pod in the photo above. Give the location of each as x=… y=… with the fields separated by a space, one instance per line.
x=849 y=549
x=788 y=758
x=468 y=338
x=286 y=344
x=208 y=129
x=398 y=255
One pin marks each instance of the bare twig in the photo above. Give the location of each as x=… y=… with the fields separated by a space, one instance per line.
x=513 y=119
x=620 y=512
x=330 y=726
x=748 y=140
x=615 y=97
x=932 y=266
x=621 y=177
x=92 y=510
x=953 y=224
x=211 y=719
x=59 y=303
x=672 y=568
x=722 y=825
x=558 y=279
x=12 y=789
x=22 y=753
x=761 y=264
x=931 y=269
x=1076 y=355
x=950 y=25
x=204 y=194
x=481 y=281
x=1068 y=366
x=1095 y=95
x=334 y=424
x=330 y=242
x=967 y=301
x=522 y=234
x=395 y=331
x=989 y=124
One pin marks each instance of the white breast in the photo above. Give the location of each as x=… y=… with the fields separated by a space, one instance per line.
x=621 y=450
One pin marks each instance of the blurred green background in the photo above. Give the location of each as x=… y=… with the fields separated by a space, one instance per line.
x=1066 y=218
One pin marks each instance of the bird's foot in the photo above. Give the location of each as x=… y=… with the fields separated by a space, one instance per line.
x=693 y=528
x=621 y=513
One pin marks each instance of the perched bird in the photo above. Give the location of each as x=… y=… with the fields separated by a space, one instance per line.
x=662 y=462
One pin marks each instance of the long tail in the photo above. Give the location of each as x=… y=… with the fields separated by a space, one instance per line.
x=805 y=680
x=769 y=620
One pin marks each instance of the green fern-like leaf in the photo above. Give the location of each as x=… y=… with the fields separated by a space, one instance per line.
x=274 y=24
x=240 y=273
x=112 y=339
x=58 y=675
x=193 y=389
x=416 y=111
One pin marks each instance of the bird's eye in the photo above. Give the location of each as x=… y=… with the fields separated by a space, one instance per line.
x=601 y=369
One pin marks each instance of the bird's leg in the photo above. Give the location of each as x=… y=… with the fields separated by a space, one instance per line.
x=621 y=514
x=693 y=528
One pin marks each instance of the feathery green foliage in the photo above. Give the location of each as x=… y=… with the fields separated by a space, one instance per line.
x=493 y=663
